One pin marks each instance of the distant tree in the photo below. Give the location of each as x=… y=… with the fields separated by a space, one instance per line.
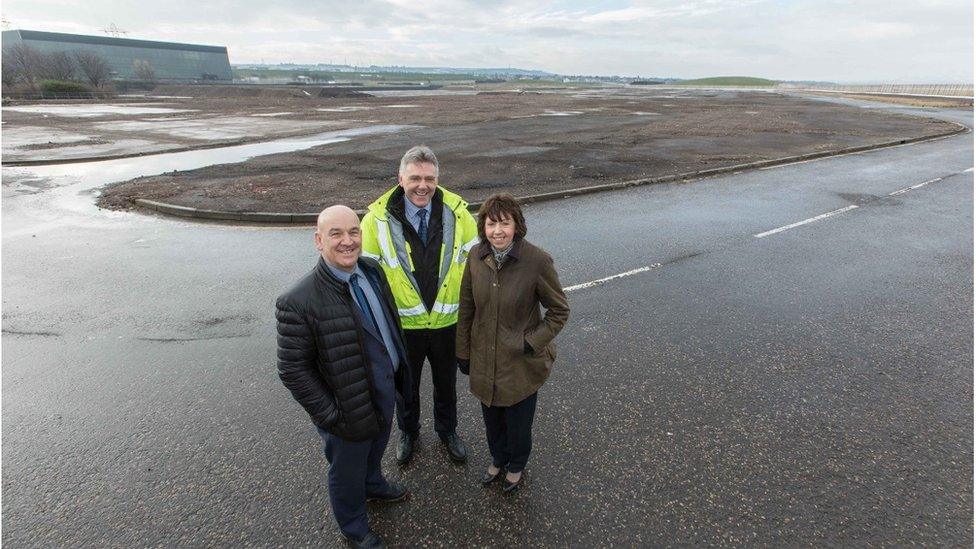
x=57 y=66
x=95 y=70
x=9 y=74
x=25 y=63
x=144 y=70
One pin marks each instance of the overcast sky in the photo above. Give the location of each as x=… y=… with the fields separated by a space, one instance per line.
x=920 y=41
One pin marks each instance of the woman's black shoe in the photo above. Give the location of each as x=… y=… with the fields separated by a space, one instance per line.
x=512 y=487
x=488 y=478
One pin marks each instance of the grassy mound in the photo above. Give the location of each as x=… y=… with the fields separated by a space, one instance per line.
x=728 y=81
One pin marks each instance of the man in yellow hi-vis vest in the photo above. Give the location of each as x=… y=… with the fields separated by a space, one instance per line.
x=421 y=235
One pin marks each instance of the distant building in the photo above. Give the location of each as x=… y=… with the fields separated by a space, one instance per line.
x=170 y=61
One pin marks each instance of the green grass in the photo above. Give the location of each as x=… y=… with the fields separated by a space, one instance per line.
x=728 y=81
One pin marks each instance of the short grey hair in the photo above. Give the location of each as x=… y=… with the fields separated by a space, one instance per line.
x=419 y=155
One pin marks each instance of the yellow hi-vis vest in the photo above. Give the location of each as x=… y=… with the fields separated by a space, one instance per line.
x=383 y=241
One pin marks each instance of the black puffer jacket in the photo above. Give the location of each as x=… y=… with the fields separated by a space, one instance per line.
x=320 y=352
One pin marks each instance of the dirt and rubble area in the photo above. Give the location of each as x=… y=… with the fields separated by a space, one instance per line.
x=488 y=139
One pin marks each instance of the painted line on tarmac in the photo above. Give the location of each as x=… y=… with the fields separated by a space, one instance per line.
x=805 y=221
x=922 y=184
x=851 y=207
x=646 y=268
x=593 y=283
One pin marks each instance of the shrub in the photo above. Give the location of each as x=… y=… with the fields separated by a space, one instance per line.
x=61 y=86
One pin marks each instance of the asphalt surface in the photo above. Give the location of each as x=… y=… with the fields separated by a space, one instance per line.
x=810 y=387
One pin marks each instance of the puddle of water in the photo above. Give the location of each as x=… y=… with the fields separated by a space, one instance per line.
x=67 y=188
x=223 y=127
x=92 y=174
x=27 y=135
x=560 y=113
x=419 y=93
x=89 y=111
x=147 y=96
x=513 y=151
x=350 y=108
x=167 y=119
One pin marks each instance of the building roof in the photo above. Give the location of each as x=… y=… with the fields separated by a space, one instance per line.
x=111 y=41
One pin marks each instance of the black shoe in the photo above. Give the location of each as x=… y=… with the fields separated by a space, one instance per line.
x=396 y=493
x=512 y=487
x=405 y=447
x=455 y=447
x=371 y=540
x=488 y=478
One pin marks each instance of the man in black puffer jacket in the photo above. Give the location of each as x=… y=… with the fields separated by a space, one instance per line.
x=340 y=352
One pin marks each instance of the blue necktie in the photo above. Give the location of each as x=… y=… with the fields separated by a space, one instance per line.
x=363 y=303
x=422 y=232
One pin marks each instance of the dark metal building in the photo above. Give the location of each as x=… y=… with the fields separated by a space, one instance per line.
x=170 y=61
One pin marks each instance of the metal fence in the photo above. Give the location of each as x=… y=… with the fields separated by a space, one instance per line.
x=921 y=90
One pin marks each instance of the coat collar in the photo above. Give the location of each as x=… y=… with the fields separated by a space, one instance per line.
x=380 y=205
x=484 y=249
x=324 y=274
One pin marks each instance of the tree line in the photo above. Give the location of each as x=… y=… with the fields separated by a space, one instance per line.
x=26 y=68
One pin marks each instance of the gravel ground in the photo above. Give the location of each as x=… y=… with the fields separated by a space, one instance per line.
x=488 y=141
x=530 y=143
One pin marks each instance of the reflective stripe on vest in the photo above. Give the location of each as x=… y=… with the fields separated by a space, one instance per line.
x=383 y=236
x=445 y=308
x=414 y=311
x=466 y=248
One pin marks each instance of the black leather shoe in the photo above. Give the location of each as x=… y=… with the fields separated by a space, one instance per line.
x=512 y=487
x=488 y=478
x=455 y=447
x=405 y=447
x=397 y=493
x=371 y=541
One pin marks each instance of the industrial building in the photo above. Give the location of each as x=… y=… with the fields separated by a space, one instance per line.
x=170 y=61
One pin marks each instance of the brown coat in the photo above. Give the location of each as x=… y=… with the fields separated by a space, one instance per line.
x=500 y=313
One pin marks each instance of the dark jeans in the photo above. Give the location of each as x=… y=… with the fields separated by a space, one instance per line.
x=509 y=432
x=437 y=346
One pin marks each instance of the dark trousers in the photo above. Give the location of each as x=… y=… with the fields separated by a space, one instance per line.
x=509 y=432
x=354 y=474
x=355 y=470
x=437 y=346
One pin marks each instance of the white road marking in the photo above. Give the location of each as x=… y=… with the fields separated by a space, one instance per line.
x=805 y=221
x=646 y=268
x=922 y=184
x=609 y=278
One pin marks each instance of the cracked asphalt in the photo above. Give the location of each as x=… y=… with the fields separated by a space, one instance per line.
x=812 y=387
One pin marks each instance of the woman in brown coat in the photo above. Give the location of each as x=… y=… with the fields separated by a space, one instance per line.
x=503 y=341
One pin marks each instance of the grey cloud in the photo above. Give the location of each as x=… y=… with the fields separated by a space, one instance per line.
x=801 y=39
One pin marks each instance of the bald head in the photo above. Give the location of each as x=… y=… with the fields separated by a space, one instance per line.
x=338 y=237
x=337 y=212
